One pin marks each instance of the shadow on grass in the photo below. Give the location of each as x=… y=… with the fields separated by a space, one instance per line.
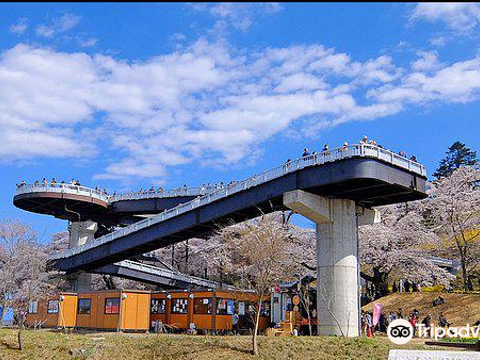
x=8 y=345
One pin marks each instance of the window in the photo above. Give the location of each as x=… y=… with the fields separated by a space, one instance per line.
x=52 y=307
x=84 y=306
x=225 y=307
x=112 y=305
x=202 y=306
x=179 y=306
x=33 y=307
x=158 y=306
x=265 y=309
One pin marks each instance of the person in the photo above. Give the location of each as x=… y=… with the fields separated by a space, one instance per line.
x=44 y=182
x=36 y=183
x=442 y=320
x=368 y=322
x=407 y=286
x=413 y=320
x=344 y=146
x=394 y=287
x=438 y=301
x=373 y=142
x=305 y=152
x=401 y=285
x=427 y=322
x=363 y=323
x=382 y=323
x=392 y=316
x=235 y=319
x=325 y=148
x=402 y=153
x=160 y=189
x=364 y=140
x=54 y=181
x=469 y=284
x=152 y=190
x=413 y=158
x=416 y=313
x=400 y=313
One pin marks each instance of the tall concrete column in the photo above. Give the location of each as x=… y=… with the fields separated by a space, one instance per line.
x=337 y=259
x=80 y=233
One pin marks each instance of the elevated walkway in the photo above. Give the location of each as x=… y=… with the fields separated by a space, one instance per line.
x=369 y=175
x=165 y=278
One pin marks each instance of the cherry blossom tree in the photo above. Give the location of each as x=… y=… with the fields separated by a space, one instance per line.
x=256 y=254
x=399 y=243
x=23 y=269
x=454 y=208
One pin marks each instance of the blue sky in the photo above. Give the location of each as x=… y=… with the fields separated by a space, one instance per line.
x=128 y=95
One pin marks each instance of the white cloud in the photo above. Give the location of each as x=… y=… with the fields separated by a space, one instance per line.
x=456 y=83
x=462 y=17
x=438 y=41
x=239 y=15
x=428 y=61
x=87 y=42
x=58 y=25
x=205 y=103
x=20 y=27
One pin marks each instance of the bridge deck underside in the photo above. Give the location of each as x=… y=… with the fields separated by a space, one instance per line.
x=153 y=279
x=62 y=206
x=368 y=182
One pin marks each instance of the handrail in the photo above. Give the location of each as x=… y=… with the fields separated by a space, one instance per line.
x=360 y=150
x=61 y=188
x=183 y=191
x=171 y=274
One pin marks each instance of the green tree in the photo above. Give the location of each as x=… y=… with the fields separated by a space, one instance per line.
x=457 y=155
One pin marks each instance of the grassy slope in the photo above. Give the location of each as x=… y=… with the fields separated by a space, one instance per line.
x=459 y=309
x=43 y=344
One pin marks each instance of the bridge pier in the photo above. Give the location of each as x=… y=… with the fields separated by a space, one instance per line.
x=337 y=258
x=80 y=233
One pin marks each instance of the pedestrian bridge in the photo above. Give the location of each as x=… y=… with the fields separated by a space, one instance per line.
x=369 y=175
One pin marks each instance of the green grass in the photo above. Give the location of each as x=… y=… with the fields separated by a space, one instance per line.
x=44 y=344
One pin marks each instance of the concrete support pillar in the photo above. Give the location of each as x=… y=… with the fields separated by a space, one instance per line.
x=80 y=233
x=337 y=258
x=337 y=271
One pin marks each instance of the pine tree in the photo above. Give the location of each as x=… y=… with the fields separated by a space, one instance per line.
x=457 y=155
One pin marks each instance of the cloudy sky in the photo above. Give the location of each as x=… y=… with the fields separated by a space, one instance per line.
x=126 y=96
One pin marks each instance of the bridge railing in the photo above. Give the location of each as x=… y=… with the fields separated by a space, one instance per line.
x=360 y=150
x=194 y=191
x=169 y=274
x=62 y=189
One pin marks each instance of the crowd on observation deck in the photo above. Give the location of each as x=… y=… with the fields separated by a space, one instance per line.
x=205 y=188
x=363 y=141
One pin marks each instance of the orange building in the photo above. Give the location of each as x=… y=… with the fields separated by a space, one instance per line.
x=59 y=310
x=114 y=310
x=208 y=310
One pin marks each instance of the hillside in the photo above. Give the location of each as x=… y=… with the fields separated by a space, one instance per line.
x=459 y=309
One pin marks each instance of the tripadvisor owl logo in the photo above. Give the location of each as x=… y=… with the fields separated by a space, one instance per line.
x=400 y=331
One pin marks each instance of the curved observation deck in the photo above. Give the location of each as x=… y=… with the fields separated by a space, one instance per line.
x=64 y=201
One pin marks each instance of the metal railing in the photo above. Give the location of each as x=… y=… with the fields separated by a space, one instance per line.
x=170 y=274
x=85 y=191
x=63 y=189
x=194 y=191
x=361 y=150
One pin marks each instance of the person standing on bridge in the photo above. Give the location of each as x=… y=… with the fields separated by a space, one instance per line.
x=364 y=140
x=305 y=152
